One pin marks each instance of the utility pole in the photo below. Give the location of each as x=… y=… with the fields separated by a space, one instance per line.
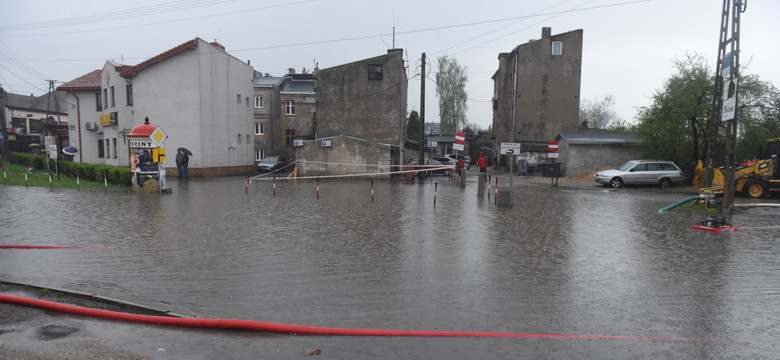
x=56 y=100
x=421 y=174
x=725 y=100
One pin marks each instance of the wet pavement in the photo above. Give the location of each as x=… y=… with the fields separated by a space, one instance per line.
x=576 y=259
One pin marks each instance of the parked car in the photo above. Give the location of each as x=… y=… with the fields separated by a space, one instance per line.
x=446 y=160
x=271 y=163
x=465 y=158
x=636 y=172
x=437 y=168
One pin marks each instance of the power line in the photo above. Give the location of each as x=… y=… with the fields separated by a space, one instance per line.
x=114 y=15
x=397 y=33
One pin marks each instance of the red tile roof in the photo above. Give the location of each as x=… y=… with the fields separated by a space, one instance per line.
x=89 y=81
x=134 y=70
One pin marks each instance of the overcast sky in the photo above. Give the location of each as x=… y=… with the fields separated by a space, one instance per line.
x=628 y=52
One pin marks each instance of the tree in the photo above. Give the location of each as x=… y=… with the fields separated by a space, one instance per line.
x=451 y=91
x=674 y=125
x=758 y=116
x=413 y=126
x=598 y=114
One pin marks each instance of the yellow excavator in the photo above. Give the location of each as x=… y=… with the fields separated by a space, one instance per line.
x=753 y=178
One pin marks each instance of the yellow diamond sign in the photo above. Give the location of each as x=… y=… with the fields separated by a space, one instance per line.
x=158 y=137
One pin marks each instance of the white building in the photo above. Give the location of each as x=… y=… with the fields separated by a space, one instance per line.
x=197 y=93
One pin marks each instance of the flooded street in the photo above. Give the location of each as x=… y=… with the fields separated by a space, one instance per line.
x=562 y=261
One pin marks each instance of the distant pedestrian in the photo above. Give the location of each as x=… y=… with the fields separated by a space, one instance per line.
x=182 y=164
x=482 y=162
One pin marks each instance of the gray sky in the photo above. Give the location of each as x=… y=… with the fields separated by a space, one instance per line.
x=628 y=52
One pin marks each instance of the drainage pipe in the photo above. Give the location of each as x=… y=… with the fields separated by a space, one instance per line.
x=683 y=201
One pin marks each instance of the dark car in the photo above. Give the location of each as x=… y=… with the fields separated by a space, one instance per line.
x=271 y=163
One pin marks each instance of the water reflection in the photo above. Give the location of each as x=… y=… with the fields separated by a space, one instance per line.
x=560 y=261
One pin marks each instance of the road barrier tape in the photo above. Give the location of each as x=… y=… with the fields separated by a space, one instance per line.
x=371 y=174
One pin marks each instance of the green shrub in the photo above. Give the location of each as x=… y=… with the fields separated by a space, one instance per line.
x=117 y=175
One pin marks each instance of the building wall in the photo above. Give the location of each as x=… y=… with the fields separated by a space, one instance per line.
x=264 y=141
x=202 y=99
x=348 y=103
x=579 y=159
x=544 y=97
x=346 y=156
x=302 y=122
x=114 y=134
x=83 y=111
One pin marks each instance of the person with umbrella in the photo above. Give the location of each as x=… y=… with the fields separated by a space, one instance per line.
x=183 y=161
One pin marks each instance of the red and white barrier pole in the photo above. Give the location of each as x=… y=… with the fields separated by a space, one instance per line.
x=246 y=189
x=372 y=190
x=318 y=188
x=274 y=186
x=435 y=189
x=496 y=193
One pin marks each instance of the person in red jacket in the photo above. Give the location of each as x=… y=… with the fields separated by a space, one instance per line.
x=460 y=165
x=482 y=162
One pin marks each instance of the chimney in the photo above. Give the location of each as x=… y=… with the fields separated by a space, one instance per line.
x=291 y=70
x=546 y=32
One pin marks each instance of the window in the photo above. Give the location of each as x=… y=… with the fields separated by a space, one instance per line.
x=108 y=148
x=247 y=138
x=259 y=129
x=259 y=154
x=115 y=152
x=98 y=102
x=238 y=98
x=289 y=136
x=374 y=72
x=289 y=107
x=557 y=47
x=105 y=99
x=101 y=152
x=258 y=102
x=247 y=101
x=113 y=103
x=129 y=95
x=239 y=138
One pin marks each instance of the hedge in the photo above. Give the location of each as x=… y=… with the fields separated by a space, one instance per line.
x=116 y=175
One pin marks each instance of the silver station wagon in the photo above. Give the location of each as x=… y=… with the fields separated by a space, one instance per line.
x=636 y=172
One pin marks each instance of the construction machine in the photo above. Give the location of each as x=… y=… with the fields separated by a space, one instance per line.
x=753 y=178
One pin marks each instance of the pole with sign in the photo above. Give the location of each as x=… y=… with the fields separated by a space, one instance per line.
x=511 y=149
x=552 y=147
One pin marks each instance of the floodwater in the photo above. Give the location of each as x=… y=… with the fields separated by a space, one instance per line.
x=560 y=262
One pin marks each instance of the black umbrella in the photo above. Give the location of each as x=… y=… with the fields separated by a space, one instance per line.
x=184 y=150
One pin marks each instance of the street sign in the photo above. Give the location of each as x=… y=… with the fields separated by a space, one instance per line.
x=510 y=148
x=553 y=155
x=432 y=144
x=460 y=138
x=457 y=147
x=553 y=146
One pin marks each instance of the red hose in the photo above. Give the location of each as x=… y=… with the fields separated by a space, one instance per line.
x=296 y=329
x=42 y=247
